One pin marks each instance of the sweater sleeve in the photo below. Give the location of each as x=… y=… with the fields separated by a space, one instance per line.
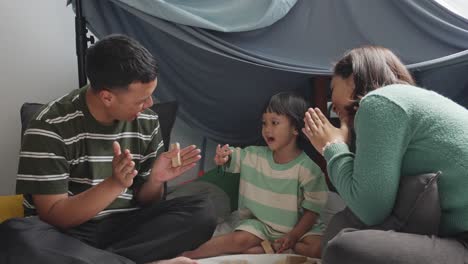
x=368 y=180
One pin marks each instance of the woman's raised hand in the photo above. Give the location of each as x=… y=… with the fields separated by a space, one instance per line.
x=320 y=131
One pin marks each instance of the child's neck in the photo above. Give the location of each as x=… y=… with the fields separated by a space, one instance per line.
x=287 y=154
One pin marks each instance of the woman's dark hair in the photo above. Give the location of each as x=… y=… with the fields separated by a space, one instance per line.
x=372 y=67
x=293 y=106
x=116 y=61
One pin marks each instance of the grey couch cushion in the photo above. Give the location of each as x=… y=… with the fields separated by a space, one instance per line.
x=417 y=207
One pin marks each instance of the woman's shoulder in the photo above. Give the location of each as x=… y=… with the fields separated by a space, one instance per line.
x=395 y=96
x=400 y=94
x=394 y=92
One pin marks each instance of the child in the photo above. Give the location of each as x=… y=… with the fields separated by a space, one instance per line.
x=281 y=192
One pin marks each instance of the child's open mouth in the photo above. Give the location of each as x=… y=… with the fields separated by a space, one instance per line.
x=270 y=139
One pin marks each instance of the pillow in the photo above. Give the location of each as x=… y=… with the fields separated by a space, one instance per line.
x=167 y=114
x=27 y=112
x=416 y=210
x=226 y=181
x=11 y=206
x=166 y=111
x=417 y=206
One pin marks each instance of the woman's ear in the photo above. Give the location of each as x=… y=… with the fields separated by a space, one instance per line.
x=295 y=132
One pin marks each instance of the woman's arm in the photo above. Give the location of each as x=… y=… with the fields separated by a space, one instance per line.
x=368 y=180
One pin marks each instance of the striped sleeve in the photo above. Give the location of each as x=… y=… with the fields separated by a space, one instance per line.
x=152 y=150
x=237 y=155
x=43 y=166
x=314 y=187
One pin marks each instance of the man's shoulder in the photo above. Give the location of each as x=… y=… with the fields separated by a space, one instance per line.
x=64 y=106
x=148 y=114
x=147 y=120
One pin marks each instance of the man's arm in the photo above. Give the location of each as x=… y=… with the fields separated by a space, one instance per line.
x=65 y=211
x=162 y=171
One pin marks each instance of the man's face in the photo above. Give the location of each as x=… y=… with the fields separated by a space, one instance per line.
x=128 y=104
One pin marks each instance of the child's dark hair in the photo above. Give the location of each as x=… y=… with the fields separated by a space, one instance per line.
x=293 y=106
x=116 y=61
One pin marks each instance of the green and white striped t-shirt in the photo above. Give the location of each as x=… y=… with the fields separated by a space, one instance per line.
x=66 y=150
x=276 y=193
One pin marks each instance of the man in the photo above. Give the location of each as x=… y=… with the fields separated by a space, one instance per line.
x=92 y=169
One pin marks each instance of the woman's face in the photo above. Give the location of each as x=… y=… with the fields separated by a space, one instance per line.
x=342 y=94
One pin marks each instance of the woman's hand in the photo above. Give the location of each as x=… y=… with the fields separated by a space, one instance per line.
x=320 y=131
x=222 y=154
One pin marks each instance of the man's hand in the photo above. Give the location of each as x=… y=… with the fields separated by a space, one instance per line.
x=162 y=168
x=123 y=167
x=222 y=154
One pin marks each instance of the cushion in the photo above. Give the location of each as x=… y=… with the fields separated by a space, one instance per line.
x=27 y=112
x=416 y=210
x=226 y=181
x=11 y=206
x=166 y=111
x=417 y=207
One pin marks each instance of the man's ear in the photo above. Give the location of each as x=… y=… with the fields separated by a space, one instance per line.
x=106 y=97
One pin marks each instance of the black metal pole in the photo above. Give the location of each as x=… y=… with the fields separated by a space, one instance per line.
x=81 y=42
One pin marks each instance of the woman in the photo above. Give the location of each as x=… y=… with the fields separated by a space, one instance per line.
x=400 y=129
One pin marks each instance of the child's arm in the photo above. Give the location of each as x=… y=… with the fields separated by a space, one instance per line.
x=306 y=222
x=222 y=154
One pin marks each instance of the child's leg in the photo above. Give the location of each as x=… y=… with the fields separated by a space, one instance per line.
x=309 y=246
x=236 y=242
x=254 y=250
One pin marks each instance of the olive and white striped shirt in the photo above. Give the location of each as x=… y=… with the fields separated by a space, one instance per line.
x=65 y=150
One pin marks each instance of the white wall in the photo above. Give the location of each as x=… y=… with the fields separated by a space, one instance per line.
x=37 y=64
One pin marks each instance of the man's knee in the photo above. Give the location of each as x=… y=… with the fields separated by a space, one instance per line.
x=204 y=213
x=201 y=217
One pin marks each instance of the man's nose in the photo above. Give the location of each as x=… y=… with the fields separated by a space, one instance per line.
x=149 y=102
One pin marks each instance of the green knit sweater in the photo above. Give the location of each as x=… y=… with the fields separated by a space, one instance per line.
x=404 y=130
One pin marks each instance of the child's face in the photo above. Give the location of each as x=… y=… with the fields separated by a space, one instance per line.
x=278 y=132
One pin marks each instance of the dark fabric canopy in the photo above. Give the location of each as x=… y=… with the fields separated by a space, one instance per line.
x=222 y=80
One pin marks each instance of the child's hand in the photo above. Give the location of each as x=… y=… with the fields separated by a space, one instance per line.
x=222 y=154
x=286 y=242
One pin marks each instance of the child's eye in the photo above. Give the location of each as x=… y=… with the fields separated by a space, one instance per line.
x=275 y=122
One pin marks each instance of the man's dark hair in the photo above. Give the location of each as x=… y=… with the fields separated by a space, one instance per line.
x=372 y=67
x=116 y=61
x=293 y=106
